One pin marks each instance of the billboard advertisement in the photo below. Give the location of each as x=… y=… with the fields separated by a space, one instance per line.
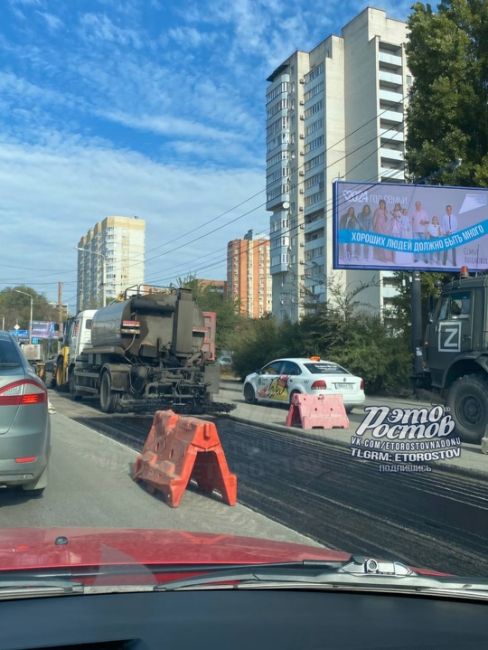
x=44 y=329
x=398 y=226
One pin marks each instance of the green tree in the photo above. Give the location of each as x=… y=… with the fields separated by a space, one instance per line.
x=15 y=307
x=340 y=331
x=447 y=115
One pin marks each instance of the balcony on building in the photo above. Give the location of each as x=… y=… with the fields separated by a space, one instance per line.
x=389 y=78
x=388 y=154
x=312 y=226
x=315 y=243
x=390 y=96
x=390 y=59
x=392 y=134
x=390 y=174
x=389 y=117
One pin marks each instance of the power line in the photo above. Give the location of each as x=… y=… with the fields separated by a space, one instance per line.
x=286 y=232
x=210 y=232
x=329 y=203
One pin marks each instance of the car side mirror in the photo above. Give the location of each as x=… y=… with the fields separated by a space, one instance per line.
x=258 y=371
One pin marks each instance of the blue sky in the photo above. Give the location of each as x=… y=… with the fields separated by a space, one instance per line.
x=152 y=108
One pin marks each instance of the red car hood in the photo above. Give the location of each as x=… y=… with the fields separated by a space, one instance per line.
x=57 y=548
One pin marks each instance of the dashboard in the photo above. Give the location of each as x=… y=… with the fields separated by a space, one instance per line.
x=234 y=619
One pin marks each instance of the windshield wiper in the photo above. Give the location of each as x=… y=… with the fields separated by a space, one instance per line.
x=358 y=574
x=37 y=588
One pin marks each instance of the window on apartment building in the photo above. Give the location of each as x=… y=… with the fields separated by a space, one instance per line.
x=390 y=48
x=387 y=105
x=314 y=144
x=314 y=162
x=315 y=126
x=314 y=216
x=317 y=197
x=315 y=72
x=314 y=109
x=315 y=90
x=315 y=234
x=316 y=179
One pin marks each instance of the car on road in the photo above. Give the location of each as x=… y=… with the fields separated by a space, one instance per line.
x=25 y=433
x=280 y=379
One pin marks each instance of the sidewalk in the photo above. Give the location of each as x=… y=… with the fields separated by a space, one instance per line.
x=471 y=461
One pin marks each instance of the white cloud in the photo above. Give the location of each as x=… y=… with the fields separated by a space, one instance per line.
x=18 y=87
x=170 y=125
x=191 y=37
x=99 y=27
x=52 y=194
x=53 y=22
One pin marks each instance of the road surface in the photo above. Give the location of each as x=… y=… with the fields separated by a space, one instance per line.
x=437 y=519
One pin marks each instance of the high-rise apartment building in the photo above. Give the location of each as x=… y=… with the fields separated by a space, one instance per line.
x=110 y=259
x=336 y=112
x=248 y=276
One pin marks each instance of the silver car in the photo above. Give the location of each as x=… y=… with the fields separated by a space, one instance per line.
x=25 y=432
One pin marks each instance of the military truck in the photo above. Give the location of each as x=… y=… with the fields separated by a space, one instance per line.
x=455 y=354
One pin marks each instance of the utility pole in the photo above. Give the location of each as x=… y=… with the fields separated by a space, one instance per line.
x=416 y=306
x=60 y=305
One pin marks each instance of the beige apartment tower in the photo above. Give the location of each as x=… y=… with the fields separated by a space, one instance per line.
x=336 y=112
x=110 y=259
x=248 y=276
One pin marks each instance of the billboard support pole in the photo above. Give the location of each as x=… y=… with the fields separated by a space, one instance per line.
x=416 y=309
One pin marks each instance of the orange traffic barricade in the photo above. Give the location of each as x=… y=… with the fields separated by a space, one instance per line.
x=183 y=449
x=317 y=411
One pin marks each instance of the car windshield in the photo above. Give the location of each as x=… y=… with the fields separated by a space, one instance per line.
x=243 y=287
x=325 y=369
x=9 y=355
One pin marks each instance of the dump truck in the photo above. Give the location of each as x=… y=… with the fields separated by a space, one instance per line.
x=147 y=352
x=455 y=354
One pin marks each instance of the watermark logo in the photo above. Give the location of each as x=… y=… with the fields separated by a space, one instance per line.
x=405 y=440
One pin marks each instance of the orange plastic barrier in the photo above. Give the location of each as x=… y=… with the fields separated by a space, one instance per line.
x=183 y=449
x=317 y=411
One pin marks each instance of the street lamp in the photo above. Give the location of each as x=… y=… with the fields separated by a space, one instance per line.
x=31 y=311
x=87 y=250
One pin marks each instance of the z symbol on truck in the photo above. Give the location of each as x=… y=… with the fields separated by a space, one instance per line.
x=450 y=337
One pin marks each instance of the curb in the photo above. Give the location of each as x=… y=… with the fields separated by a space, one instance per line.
x=304 y=433
x=444 y=466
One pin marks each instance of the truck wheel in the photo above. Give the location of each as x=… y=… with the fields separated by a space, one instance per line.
x=72 y=390
x=468 y=401
x=59 y=375
x=108 y=399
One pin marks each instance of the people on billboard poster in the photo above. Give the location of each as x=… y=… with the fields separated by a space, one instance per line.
x=349 y=221
x=382 y=225
x=420 y=221
x=365 y=219
x=413 y=227
x=434 y=232
x=448 y=227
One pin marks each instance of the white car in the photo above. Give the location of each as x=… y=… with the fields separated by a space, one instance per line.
x=279 y=380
